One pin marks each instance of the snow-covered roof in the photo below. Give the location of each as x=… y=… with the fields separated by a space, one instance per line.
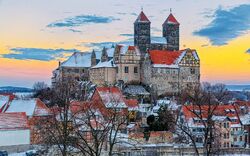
x=125 y=48
x=27 y=106
x=13 y=121
x=135 y=90
x=111 y=97
x=3 y=100
x=159 y=40
x=166 y=66
x=106 y=64
x=32 y=107
x=83 y=59
x=78 y=59
x=245 y=120
x=235 y=125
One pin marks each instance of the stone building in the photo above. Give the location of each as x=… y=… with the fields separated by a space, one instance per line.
x=155 y=62
x=103 y=73
x=127 y=60
x=79 y=63
x=170 y=71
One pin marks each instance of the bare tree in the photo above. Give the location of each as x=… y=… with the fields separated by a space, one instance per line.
x=202 y=100
x=97 y=127
x=57 y=129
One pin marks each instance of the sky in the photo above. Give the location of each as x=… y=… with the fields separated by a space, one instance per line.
x=36 y=34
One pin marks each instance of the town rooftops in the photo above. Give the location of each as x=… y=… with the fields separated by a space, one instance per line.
x=221 y=112
x=142 y=18
x=13 y=121
x=171 y=20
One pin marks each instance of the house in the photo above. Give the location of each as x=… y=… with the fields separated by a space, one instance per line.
x=127 y=60
x=228 y=128
x=35 y=111
x=14 y=129
x=78 y=64
x=103 y=73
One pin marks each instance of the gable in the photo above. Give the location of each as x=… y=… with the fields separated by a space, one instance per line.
x=190 y=58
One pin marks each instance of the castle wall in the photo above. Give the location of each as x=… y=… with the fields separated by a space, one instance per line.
x=102 y=76
x=81 y=73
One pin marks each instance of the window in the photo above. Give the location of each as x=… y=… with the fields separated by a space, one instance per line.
x=135 y=70
x=240 y=138
x=126 y=69
x=225 y=135
x=235 y=138
x=192 y=71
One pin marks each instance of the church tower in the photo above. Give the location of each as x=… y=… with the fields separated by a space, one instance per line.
x=104 y=56
x=170 y=30
x=142 y=32
x=93 y=58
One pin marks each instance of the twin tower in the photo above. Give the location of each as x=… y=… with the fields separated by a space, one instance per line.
x=170 y=31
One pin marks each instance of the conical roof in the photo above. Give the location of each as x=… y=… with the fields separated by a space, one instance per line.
x=171 y=20
x=142 y=18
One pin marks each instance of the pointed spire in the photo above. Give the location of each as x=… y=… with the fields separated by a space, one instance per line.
x=171 y=19
x=93 y=53
x=104 y=56
x=142 y=17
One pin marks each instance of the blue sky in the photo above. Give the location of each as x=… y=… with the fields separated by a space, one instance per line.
x=35 y=32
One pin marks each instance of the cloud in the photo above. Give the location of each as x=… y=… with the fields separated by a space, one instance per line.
x=82 y=20
x=127 y=35
x=100 y=45
x=38 y=54
x=226 y=25
x=121 y=13
x=75 y=31
x=134 y=14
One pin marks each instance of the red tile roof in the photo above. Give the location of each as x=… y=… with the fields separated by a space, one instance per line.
x=131 y=47
x=220 y=110
x=171 y=19
x=41 y=109
x=13 y=121
x=164 y=56
x=132 y=103
x=142 y=18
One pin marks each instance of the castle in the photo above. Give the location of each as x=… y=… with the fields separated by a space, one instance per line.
x=161 y=65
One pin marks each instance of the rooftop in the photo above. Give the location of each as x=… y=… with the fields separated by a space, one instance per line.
x=13 y=121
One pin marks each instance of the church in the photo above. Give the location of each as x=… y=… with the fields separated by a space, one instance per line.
x=160 y=65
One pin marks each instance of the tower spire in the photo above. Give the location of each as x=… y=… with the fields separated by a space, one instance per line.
x=170 y=10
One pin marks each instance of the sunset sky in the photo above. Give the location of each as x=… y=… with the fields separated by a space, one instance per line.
x=36 y=34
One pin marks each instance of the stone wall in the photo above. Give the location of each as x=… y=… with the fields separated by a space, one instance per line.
x=103 y=76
